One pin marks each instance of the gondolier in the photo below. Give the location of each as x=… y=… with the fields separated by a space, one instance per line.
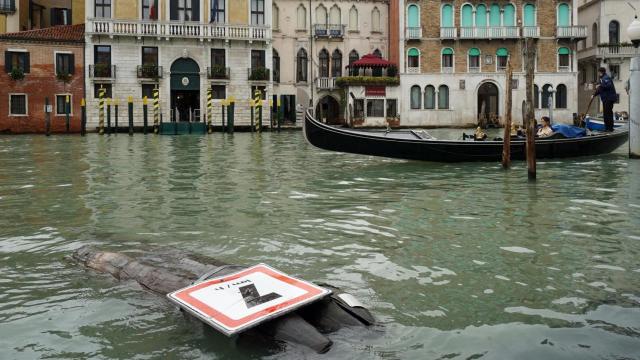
x=607 y=92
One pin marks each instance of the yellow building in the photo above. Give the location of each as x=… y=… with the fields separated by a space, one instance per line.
x=19 y=15
x=182 y=47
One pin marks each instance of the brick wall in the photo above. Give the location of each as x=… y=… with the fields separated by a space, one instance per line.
x=38 y=84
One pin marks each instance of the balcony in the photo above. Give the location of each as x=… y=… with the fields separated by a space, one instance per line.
x=571 y=32
x=7 y=6
x=331 y=31
x=448 y=33
x=414 y=33
x=490 y=32
x=531 y=31
x=219 y=72
x=149 y=72
x=170 y=29
x=617 y=51
x=102 y=71
x=326 y=83
x=258 y=74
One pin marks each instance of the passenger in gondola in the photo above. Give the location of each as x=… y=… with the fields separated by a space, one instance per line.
x=545 y=130
x=479 y=135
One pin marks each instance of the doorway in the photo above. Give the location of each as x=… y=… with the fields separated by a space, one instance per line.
x=185 y=105
x=328 y=110
x=488 y=104
x=185 y=90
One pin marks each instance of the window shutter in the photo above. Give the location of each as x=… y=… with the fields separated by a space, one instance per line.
x=174 y=9
x=7 y=62
x=72 y=63
x=195 y=6
x=52 y=18
x=69 y=17
x=26 y=63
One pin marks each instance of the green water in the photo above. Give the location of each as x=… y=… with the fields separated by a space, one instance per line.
x=457 y=261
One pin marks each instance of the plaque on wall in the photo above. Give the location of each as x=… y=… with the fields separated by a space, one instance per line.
x=462 y=84
x=488 y=59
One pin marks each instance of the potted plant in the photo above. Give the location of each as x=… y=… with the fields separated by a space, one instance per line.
x=102 y=70
x=16 y=73
x=218 y=72
x=259 y=74
x=149 y=71
x=63 y=76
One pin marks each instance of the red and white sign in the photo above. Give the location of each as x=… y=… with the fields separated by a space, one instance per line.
x=236 y=302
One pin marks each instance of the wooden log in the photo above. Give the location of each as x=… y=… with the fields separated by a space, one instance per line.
x=530 y=55
x=506 y=150
x=166 y=271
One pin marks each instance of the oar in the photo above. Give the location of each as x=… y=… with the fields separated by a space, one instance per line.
x=585 y=113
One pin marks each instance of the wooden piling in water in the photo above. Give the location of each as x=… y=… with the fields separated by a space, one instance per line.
x=67 y=110
x=47 y=117
x=130 y=110
x=101 y=111
x=156 y=110
x=530 y=56
x=109 y=116
x=83 y=117
x=115 y=107
x=145 y=113
x=506 y=151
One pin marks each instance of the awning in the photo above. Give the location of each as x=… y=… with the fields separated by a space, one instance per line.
x=371 y=61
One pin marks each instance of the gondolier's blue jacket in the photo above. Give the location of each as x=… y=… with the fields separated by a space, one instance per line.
x=606 y=89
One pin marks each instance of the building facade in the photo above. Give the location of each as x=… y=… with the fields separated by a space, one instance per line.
x=39 y=65
x=181 y=47
x=455 y=54
x=20 y=15
x=314 y=42
x=607 y=45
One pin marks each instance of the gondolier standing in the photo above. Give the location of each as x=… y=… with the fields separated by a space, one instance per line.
x=607 y=92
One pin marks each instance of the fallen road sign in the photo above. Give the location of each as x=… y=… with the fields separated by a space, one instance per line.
x=236 y=302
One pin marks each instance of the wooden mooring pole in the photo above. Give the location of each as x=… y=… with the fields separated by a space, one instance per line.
x=83 y=119
x=506 y=150
x=130 y=114
x=47 y=117
x=530 y=56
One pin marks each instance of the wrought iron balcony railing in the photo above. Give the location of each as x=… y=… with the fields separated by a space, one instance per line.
x=102 y=71
x=218 y=72
x=258 y=74
x=149 y=72
x=329 y=30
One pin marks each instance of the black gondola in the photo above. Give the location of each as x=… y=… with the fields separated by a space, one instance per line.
x=412 y=145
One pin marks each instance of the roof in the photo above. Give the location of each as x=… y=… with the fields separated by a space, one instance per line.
x=371 y=61
x=61 y=33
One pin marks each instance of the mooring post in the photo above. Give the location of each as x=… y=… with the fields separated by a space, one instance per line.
x=115 y=106
x=280 y=111
x=67 y=110
x=108 y=116
x=83 y=117
x=130 y=110
x=252 y=107
x=634 y=119
x=530 y=55
x=47 y=117
x=209 y=109
x=156 y=110
x=224 y=123
x=506 y=150
x=145 y=113
x=230 y=115
x=257 y=102
x=101 y=110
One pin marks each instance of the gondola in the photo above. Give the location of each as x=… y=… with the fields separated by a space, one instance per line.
x=414 y=145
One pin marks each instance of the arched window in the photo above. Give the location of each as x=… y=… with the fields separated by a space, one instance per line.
x=377 y=53
x=377 y=71
x=353 y=18
x=375 y=19
x=529 y=15
x=564 y=15
x=447 y=60
x=546 y=95
x=336 y=63
x=321 y=15
x=594 y=35
x=494 y=15
x=561 y=97
x=301 y=17
x=474 y=60
x=416 y=95
x=564 y=59
x=509 y=15
x=302 y=62
x=481 y=15
x=275 y=57
x=446 y=16
x=413 y=58
x=353 y=57
x=502 y=55
x=466 y=17
x=443 y=97
x=536 y=97
x=335 y=15
x=413 y=15
x=275 y=17
x=324 y=63
x=429 y=97
x=614 y=32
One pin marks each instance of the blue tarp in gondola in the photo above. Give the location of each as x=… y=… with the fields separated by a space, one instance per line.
x=569 y=131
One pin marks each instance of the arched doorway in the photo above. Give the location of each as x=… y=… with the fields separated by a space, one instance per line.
x=328 y=110
x=488 y=105
x=185 y=90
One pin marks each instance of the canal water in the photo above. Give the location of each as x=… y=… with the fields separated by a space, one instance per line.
x=457 y=261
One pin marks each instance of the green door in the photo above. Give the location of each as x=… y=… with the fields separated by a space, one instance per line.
x=447 y=16
x=529 y=15
x=564 y=16
x=414 y=17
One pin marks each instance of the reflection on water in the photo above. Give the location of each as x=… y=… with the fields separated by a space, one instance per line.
x=457 y=260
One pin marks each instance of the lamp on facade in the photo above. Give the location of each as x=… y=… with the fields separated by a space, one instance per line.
x=634 y=32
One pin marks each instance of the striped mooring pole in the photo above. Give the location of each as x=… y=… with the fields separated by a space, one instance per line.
x=209 y=110
x=101 y=110
x=257 y=101
x=156 y=110
x=67 y=110
x=83 y=119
